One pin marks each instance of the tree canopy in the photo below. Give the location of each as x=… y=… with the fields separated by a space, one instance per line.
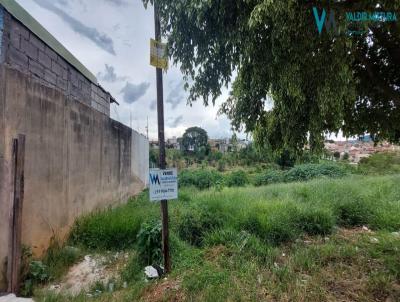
x=195 y=139
x=272 y=50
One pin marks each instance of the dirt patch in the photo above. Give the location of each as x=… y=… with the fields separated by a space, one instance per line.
x=346 y=290
x=91 y=270
x=215 y=252
x=352 y=235
x=166 y=290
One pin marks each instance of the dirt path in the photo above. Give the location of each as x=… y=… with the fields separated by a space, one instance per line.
x=12 y=298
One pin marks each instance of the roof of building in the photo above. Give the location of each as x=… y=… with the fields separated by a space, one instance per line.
x=18 y=12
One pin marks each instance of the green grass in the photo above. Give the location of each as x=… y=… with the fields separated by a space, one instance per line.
x=263 y=243
x=112 y=229
x=380 y=163
x=210 y=178
x=277 y=213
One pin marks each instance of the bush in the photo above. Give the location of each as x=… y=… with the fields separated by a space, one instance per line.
x=286 y=159
x=336 y=155
x=315 y=221
x=355 y=212
x=38 y=274
x=221 y=165
x=380 y=163
x=309 y=171
x=269 y=177
x=149 y=243
x=55 y=263
x=59 y=258
x=237 y=179
x=201 y=179
x=387 y=217
x=113 y=228
x=106 y=230
x=282 y=223
x=302 y=172
x=275 y=225
x=195 y=222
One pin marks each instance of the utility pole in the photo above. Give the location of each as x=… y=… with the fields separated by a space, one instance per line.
x=161 y=143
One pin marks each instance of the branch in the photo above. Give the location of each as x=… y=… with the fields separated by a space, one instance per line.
x=375 y=78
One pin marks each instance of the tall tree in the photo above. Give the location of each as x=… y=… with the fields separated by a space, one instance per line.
x=318 y=82
x=195 y=139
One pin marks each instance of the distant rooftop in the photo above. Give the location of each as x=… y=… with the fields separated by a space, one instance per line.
x=18 y=12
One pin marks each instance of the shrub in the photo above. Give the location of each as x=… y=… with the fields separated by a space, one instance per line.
x=149 y=242
x=355 y=212
x=309 y=171
x=380 y=163
x=286 y=159
x=302 y=172
x=316 y=221
x=279 y=229
x=269 y=177
x=201 y=179
x=275 y=225
x=336 y=155
x=113 y=228
x=221 y=165
x=59 y=258
x=387 y=217
x=308 y=157
x=237 y=179
x=37 y=274
x=55 y=263
x=106 y=230
x=195 y=222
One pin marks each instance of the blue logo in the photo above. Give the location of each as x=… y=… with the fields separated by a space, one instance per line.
x=330 y=23
x=354 y=19
x=154 y=179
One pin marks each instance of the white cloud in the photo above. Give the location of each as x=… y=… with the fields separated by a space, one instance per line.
x=100 y=39
x=130 y=27
x=109 y=75
x=133 y=92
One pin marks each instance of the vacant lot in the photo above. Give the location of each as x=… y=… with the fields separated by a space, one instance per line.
x=322 y=240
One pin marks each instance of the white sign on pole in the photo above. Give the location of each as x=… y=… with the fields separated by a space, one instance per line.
x=163 y=184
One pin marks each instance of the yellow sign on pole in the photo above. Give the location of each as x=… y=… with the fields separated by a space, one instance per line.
x=158 y=54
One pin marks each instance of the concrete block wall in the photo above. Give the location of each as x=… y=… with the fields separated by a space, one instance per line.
x=77 y=159
x=140 y=157
x=24 y=51
x=1 y=33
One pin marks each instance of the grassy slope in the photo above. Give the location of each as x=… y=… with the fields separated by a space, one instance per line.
x=283 y=242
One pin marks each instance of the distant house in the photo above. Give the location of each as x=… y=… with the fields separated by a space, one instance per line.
x=221 y=145
x=173 y=143
x=358 y=149
x=225 y=145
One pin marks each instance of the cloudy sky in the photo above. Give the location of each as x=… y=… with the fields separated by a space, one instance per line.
x=111 y=38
